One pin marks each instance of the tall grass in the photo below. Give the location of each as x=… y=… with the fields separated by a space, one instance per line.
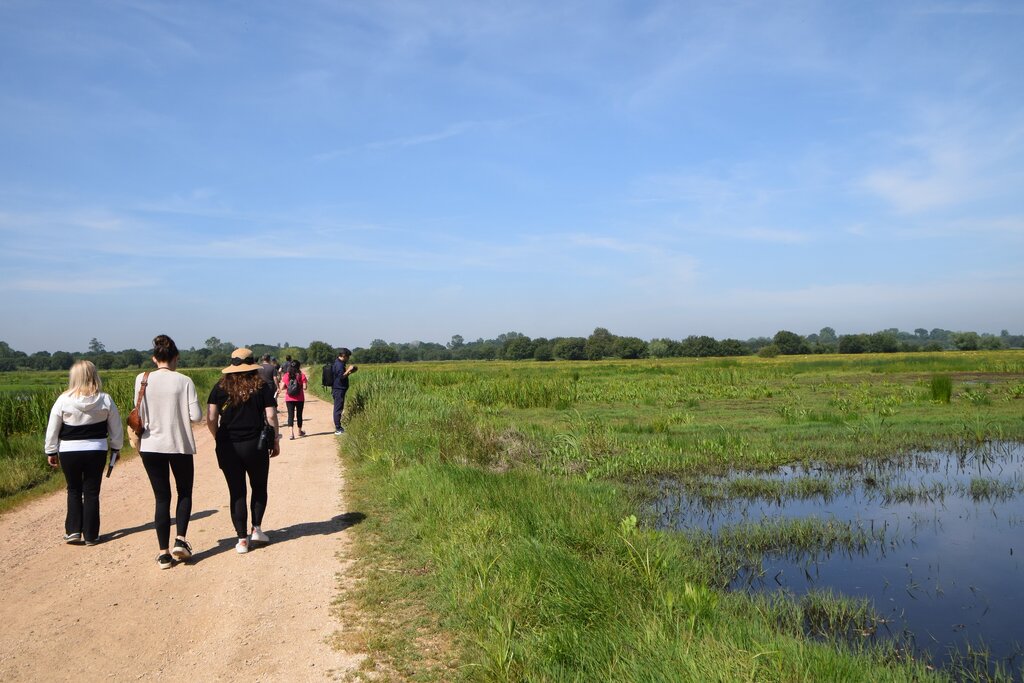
x=501 y=504
x=25 y=405
x=942 y=388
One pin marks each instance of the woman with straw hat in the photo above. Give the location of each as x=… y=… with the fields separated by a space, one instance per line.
x=240 y=404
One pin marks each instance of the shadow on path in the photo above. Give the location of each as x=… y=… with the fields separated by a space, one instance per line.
x=121 y=533
x=288 y=533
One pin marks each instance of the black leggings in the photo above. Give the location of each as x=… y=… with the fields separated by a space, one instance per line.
x=159 y=467
x=236 y=459
x=83 y=471
x=295 y=411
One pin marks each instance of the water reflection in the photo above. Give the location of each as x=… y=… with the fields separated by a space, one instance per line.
x=942 y=563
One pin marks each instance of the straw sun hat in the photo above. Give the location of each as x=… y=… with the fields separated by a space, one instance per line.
x=242 y=360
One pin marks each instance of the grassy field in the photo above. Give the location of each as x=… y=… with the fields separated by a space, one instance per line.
x=502 y=539
x=25 y=402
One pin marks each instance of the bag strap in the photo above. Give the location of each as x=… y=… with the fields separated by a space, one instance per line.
x=142 y=390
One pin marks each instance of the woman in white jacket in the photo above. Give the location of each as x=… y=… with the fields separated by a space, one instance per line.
x=83 y=422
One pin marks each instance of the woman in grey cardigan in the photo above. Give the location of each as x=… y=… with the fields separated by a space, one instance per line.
x=167 y=445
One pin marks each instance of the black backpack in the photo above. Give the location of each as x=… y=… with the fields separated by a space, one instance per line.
x=294 y=384
x=328 y=378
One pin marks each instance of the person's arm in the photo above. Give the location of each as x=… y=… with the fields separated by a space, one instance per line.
x=115 y=433
x=52 y=442
x=195 y=413
x=271 y=413
x=212 y=418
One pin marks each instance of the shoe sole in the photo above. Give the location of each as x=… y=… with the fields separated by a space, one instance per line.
x=165 y=566
x=182 y=555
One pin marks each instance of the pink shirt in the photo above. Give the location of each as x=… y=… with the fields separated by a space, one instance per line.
x=302 y=387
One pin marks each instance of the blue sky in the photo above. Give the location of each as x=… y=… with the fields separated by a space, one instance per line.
x=345 y=171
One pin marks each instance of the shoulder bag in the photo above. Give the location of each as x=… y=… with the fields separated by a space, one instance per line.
x=134 y=421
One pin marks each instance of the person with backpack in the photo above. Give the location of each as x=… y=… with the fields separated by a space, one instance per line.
x=293 y=383
x=338 y=380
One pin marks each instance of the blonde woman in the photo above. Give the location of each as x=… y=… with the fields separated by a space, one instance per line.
x=83 y=422
x=167 y=446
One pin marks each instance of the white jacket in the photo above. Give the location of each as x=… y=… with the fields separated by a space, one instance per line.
x=79 y=411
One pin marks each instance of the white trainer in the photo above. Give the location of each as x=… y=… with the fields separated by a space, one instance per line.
x=242 y=546
x=258 y=536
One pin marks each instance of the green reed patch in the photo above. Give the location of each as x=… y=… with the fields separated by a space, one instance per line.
x=941 y=388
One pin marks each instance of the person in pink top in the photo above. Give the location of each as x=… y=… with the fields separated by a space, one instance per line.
x=293 y=384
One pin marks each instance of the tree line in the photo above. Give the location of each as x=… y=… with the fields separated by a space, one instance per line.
x=517 y=346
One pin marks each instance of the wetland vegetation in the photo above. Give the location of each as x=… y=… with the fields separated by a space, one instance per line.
x=513 y=531
x=522 y=518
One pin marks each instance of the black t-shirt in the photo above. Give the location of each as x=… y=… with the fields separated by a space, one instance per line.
x=244 y=422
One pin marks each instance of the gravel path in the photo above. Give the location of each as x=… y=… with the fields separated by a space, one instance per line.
x=107 y=612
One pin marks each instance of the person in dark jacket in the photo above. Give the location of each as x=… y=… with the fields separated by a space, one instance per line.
x=341 y=372
x=83 y=422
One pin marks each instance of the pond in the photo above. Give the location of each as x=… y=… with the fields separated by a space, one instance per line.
x=939 y=542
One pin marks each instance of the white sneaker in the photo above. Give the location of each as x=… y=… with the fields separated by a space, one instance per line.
x=242 y=546
x=258 y=536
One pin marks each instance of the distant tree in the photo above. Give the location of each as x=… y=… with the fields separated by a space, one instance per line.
x=213 y=343
x=852 y=343
x=96 y=346
x=921 y=333
x=882 y=342
x=319 y=352
x=658 y=348
x=991 y=343
x=699 y=347
x=517 y=348
x=381 y=352
x=732 y=347
x=790 y=343
x=966 y=341
x=543 y=350
x=630 y=347
x=571 y=348
x=827 y=335
x=457 y=342
x=599 y=344
x=61 y=360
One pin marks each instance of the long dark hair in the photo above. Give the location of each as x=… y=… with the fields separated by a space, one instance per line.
x=240 y=386
x=293 y=371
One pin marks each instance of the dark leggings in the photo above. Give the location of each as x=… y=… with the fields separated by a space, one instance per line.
x=159 y=467
x=295 y=411
x=83 y=471
x=236 y=459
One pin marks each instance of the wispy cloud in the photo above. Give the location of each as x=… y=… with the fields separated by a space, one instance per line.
x=452 y=131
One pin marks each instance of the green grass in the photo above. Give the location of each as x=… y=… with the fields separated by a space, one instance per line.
x=25 y=402
x=501 y=541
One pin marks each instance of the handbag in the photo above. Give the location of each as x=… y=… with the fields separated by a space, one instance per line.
x=265 y=442
x=134 y=421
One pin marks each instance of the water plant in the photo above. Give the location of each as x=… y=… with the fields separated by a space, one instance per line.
x=941 y=388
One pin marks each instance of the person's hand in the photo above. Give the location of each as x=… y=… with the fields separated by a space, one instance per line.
x=53 y=461
x=276 y=451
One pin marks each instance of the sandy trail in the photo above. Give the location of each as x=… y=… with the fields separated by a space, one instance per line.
x=107 y=612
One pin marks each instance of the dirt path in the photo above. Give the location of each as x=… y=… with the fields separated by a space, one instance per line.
x=107 y=612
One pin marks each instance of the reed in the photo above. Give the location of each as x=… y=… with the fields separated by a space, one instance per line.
x=942 y=388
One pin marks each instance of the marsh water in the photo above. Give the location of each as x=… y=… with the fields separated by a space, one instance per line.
x=944 y=563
